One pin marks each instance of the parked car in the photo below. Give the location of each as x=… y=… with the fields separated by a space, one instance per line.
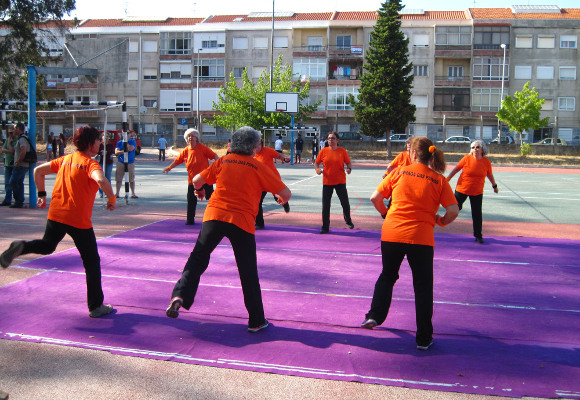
x=350 y=136
x=396 y=138
x=505 y=139
x=458 y=139
x=550 y=141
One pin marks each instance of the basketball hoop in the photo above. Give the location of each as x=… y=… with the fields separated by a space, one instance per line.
x=280 y=110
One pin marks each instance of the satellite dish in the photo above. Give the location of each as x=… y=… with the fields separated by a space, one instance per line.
x=142 y=110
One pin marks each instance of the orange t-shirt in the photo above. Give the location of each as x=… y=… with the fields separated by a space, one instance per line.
x=474 y=172
x=333 y=162
x=402 y=160
x=74 y=190
x=196 y=159
x=267 y=156
x=240 y=181
x=416 y=192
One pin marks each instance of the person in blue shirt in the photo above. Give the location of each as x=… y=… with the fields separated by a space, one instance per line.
x=120 y=171
x=162 y=145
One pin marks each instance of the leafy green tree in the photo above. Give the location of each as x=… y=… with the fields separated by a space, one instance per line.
x=522 y=111
x=26 y=21
x=384 y=100
x=245 y=105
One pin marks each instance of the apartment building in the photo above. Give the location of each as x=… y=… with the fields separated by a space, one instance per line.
x=170 y=70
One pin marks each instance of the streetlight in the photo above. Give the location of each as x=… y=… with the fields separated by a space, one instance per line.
x=503 y=46
x=197 y=125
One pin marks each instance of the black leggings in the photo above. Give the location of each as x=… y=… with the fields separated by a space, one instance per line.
x=244 y=246
x=192 y=200
x=342 y=194
x=476 y=213
x=420 y=258
x=86 y=244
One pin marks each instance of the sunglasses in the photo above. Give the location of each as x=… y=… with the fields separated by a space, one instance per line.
x=476 y=147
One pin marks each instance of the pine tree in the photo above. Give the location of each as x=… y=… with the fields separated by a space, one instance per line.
x=384 y=100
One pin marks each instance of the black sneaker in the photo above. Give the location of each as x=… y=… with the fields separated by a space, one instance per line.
x=258 y=227
x=286 y=207
x=426 y=346
x=263 y=325
x=11 y=253
x=323 y=231
x=16 y=206
x=368 y=323
x=350 y=225
x=173 y=309
x=5 y=204
x=190 y=223
x=479 y=240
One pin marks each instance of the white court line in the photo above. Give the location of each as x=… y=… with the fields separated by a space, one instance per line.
x=256 y=365
x=310 y=293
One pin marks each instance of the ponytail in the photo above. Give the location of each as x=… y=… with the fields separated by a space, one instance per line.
x=429 y=154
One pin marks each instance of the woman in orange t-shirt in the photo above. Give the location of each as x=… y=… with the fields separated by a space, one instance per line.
x=333 y=159
x=471 y=181
x=77 y=181
x=417 y=191
x=196 y=157
x=231 y=212
x=402 y=160
x=267 y=156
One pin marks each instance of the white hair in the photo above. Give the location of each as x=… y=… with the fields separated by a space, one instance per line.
x=189 y=132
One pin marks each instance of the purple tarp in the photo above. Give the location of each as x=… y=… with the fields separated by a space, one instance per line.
x=506 y=317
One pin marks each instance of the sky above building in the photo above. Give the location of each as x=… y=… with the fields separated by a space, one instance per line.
x=101 y=9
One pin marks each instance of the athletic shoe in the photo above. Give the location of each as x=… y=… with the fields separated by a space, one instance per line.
x=258 y=227
x=350 y=225
x=16 y=206
x=13 y=251
x=5 y=203
x=190 y=223
x=425 y=347
x=286 y=207
x=368 y=323
x=323 y=231
x=479 y=240
x=101 y=310
x=263 y=325
x=173 y=309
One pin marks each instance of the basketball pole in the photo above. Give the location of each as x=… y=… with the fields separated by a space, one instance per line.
x=292 y=139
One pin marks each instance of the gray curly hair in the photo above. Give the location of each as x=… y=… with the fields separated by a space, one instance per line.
x=191 y=132
x=482 y=144
x=245 y=141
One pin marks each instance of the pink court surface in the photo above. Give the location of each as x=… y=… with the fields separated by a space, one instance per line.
x=506 y=314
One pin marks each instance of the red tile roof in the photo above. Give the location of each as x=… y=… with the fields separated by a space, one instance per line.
x=506 y=13
x=321 y=16
x=111 y=23
x=436 y=15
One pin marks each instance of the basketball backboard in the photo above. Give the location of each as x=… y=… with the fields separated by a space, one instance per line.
x=282 y=102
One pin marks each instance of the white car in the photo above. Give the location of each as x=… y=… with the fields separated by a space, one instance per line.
x=458 y=139
x=550 y=141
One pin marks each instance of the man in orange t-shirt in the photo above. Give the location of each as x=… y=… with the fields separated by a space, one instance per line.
x=267 y=156
x=333 y=159
x=196 y=157
x=77 y=181
x=417 y=191
x=231 y=212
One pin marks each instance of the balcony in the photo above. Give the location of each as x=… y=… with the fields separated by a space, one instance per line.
x=345 y=52
x=453 y=81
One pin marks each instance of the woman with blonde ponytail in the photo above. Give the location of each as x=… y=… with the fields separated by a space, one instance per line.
x=417 y=191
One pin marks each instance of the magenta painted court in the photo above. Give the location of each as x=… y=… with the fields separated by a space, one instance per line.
x=506 y=316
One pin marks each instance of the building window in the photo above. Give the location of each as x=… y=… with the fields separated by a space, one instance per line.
x=316 y=94
x=133 y=75
x=149 y=74
x=420 y=101
x=491 y=37
x=175 y=71
x=314 y=43
x=489 y=68
x=175 y=100
x=280 y=42
x=209 y=44
x=523 y=72
x=133 y=47
x=545 y=72
x=257 y=71
x=261 y=43
x=305 y=67
x=454 y=72
x=338 y=95
x=451 y=99
x=568 y=41
x=81 y=95
x=568 y=73
x=238 y=72
x=150 y=102
x=420 y=40
x=149 y=46
x=548 y=105
x=210 y=69
x=240 y=44
x=485 y=99
x=343 y=42
x=524 y=41
x=175 y=43
x=546 y=42
x=566 y=103
x=453 y=35
x=420 y=70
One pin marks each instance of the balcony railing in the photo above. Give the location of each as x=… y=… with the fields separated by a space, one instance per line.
x=489 y=46
x=352 y=51
x=451 y=108
x=316 y=49
x=453 y=78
